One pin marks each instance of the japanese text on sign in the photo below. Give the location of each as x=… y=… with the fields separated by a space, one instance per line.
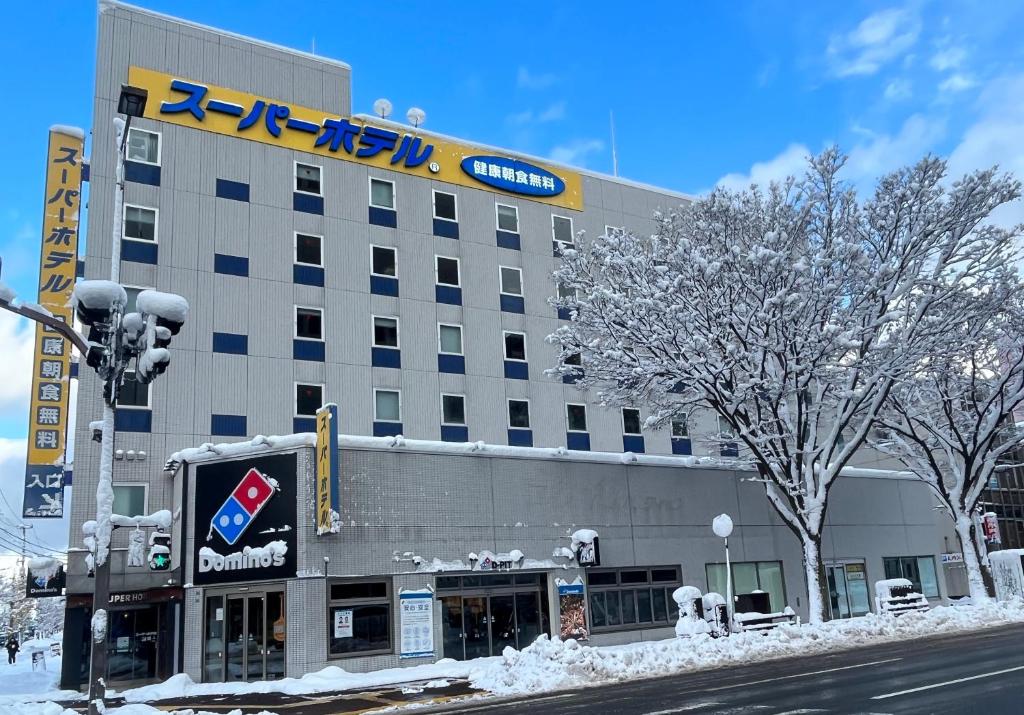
x=51 y=366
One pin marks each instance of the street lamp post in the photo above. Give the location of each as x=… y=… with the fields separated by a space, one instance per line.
x=722 y=526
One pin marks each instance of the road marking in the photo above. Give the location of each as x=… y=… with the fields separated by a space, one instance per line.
x=801 y=675
x=803 y=711
x=948 y=682
x=511 y=703
x=684 y=708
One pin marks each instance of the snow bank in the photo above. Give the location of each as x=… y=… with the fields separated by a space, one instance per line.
x=68 y=130
x=554 y=665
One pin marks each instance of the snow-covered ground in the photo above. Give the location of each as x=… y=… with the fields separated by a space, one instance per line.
x=555 y=665
x=19 y=682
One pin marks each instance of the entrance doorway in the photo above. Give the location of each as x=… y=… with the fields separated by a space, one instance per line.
x=244 y=636
x=482 y=615
x=848 y=590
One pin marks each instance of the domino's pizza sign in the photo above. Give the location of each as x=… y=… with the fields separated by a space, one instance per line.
x=513 y=175
x=245 y=520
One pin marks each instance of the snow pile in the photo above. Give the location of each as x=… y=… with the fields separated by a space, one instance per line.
x=553 y=665
x=44 y=567
x=581 y=537
x=68 y=130
x=257 y=445
x=163 y=305
x=99 y=294
x=158 y=519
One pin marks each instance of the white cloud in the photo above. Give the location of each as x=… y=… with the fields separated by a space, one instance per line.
x=17 y=336
x=876 y=41
x=553 y=113
x=882 y=153
x=575 y=153
x=526 y=80
x=956 y=83
x=949 y=58
x=792 y=161
x=523 y=117
x=898 y=89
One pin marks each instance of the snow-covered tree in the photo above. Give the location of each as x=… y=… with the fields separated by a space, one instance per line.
x=18 y=612
x=953 y=424
x=789 y=312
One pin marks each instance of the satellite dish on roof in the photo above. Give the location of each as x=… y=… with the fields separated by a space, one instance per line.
x=382 y=108
x=416 y=116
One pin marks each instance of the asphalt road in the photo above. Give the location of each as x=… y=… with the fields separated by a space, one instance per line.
x=981 y=672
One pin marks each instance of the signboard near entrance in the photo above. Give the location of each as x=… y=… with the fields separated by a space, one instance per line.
x=244 y=525
x=417 y=624
x=343 y=623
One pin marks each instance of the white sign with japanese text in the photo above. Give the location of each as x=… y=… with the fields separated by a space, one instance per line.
x=343 y=624
x=417 y=624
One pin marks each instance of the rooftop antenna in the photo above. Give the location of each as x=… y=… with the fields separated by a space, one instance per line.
x=313 y=50
x=615 y=157
x=416 y=116
x=382 y=108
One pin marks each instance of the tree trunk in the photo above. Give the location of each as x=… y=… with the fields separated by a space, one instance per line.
x=979 y=577
x=813 y=570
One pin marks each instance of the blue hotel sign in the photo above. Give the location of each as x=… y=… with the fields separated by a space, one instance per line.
x=513 y=175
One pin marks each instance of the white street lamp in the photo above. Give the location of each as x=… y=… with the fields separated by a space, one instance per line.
x=722 y=526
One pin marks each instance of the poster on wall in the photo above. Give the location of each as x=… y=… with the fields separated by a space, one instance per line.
x=572 y=611
x=244 y=525
x=343 y=623
x=417 y=623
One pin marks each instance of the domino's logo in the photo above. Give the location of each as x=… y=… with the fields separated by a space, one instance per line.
x=242 y=505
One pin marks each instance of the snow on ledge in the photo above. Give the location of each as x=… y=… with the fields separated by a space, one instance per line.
x=257 y=445
x=68 y=130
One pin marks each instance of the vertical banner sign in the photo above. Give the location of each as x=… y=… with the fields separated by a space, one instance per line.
x=51 y=366
x=417 y=624
x=327 y=480
x=572 y=611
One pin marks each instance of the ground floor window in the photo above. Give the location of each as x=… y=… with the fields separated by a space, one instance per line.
x=750 y=577
x=623 y=599
x=359 y=617
x=919 y=570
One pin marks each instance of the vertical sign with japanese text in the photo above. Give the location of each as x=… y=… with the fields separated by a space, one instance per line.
x=327 y=486
x=51 y=366
x=416 y=625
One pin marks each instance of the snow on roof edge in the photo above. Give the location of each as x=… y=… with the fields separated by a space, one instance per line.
x=261 y=444
x=69 y=130
x=487 y=147
x=104 y=4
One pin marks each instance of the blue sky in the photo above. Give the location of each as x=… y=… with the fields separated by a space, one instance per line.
x=703 y=93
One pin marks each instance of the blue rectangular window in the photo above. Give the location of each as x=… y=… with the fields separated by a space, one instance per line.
x=308 y=275
x=452 y=295
x=307 y=203
x=384 y=285
x=579 y=441
x=730 y=449
x=80 y=269
x=74 y=368
x=512 y=303
x=308 y=350
x=387 y=429
x=507 y=239
x=446 y=229
x=230 y=265
x=520 y=437
x=515 y=370
x=573 y=377
x=304 y=424
x=228 y=425
x=231 y=343
x=451 y=363
x=386 y=357
x=383 y=217
x=454 y=433
x=140 y=173
x=234 y=190
x=565 y=314
x=133 y=420
x=633 y=443
x=86 y=171
x=139 y=252
x=682 y=445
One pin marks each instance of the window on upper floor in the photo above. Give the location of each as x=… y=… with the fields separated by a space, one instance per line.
x=445 y=206
x=383 y=261
x=308 y=399
x=143 y=146
x=576 y=417
x=561 y=230
x=630 y=420
x=507 y=217
x=447 y=270
x=140 y=223
x=511 y=280
x=309 y=323
x=308 y=249
x=130 y=499
x=680 y=426
x=449 y=339
x=385 y=332
x=382 y=193
x=307 y=179
x=725 y=430
x=519 y=414
x=453 y=409
x=515 y=346
x=387 y=406
x=132 y=393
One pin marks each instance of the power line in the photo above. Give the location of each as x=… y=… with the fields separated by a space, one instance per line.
x=39 y=551
x=33 y=541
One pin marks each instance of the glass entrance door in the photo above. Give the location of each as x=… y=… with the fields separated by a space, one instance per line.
x=847 y=590
x=478 y=626
x=503 y=623
x=476 y=633
x=245 y=637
